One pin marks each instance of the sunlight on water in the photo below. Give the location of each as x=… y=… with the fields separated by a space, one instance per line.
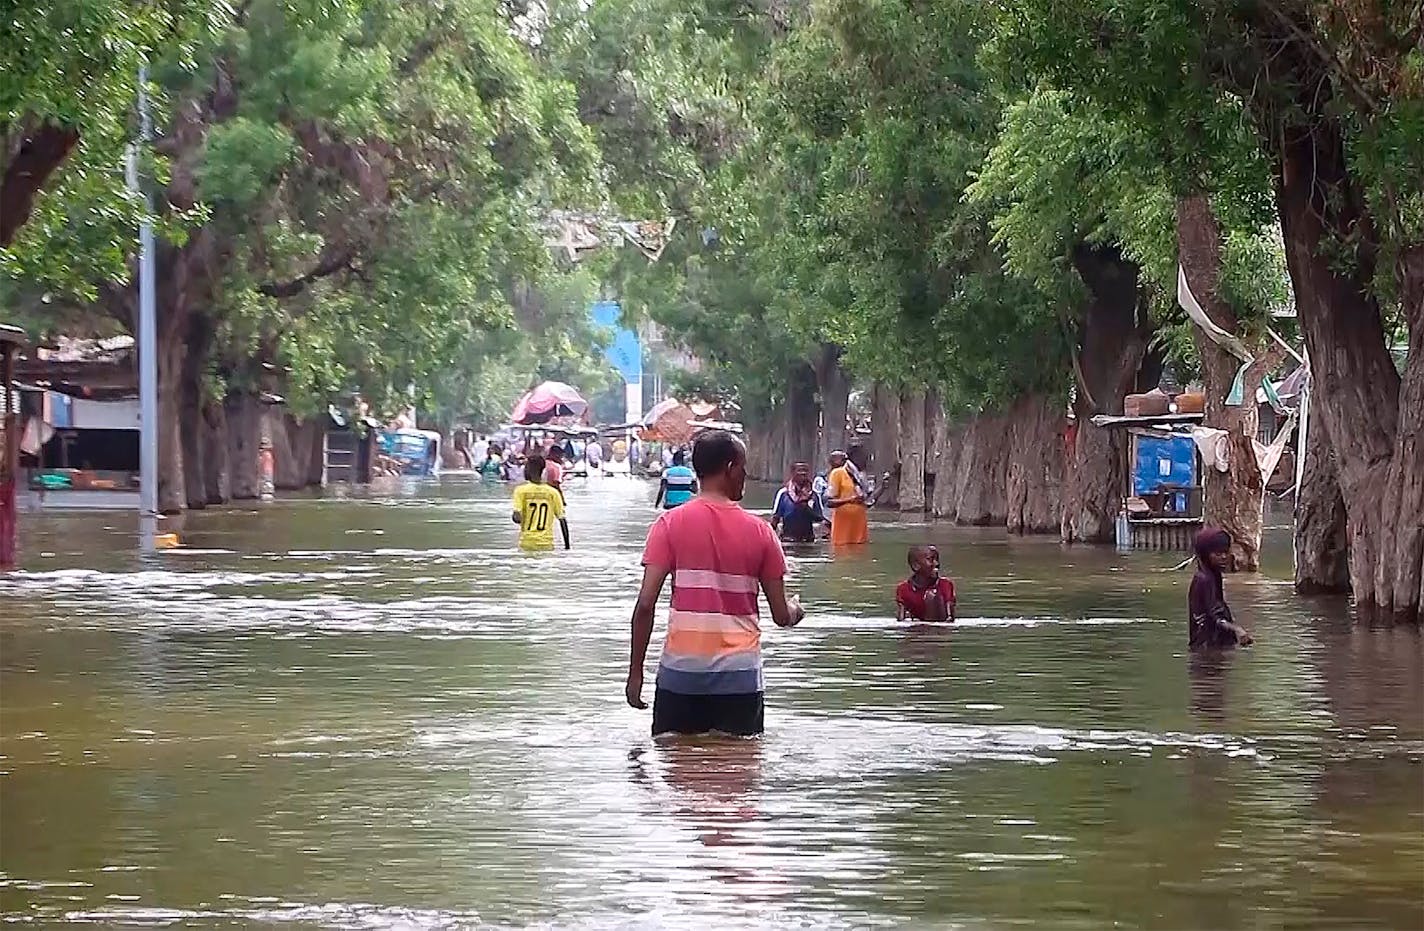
x=372 y=712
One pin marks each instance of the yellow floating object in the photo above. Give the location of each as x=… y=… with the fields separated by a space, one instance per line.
x=165 y=541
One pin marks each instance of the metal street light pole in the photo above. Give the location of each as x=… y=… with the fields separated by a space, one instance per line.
x=147 y=342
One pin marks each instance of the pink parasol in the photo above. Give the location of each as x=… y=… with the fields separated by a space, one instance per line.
x=548 y=401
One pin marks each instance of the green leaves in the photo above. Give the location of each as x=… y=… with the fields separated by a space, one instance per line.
x=242 y=160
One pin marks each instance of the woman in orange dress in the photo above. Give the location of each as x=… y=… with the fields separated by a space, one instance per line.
x=848 y=498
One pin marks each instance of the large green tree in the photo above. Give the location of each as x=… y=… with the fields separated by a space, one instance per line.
x=1334 y=97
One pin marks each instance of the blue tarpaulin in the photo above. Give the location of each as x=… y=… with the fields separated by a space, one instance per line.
x=1163 y=461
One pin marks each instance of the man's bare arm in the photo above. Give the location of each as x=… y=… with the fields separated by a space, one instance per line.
x=644 y=610
x=786 y=612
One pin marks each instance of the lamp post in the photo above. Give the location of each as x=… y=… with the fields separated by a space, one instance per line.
x=147 y=339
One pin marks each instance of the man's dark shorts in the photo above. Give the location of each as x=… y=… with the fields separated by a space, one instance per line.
x=738 y=715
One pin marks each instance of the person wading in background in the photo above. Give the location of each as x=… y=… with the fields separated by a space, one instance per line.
x=679 y=483
x=848 y=495
x=1210 y=625
x=709 y=676
x=536 y=506
x=796 y=510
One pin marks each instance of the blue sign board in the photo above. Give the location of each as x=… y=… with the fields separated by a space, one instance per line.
x=625 y=353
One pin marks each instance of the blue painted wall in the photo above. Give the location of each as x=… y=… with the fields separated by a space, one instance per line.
x=625 y=353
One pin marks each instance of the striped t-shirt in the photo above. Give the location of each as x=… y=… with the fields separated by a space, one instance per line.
x=717 y=554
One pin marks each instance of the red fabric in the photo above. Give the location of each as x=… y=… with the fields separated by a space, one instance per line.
x=914 y=600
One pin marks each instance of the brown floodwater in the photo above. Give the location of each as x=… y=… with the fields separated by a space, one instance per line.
x=371 y=711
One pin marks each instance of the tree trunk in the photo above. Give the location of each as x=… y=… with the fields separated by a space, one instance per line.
x=766 y=446
x=937 y=464
x=244 y=435
x=217 y=479
x=834 y=388
x=192 y=427
x=1033 y=479
x=316 y=452
x=172 y=482
x=1322 y=556
x=1399 y=577
x=912 y=450
x=885 y=441
x=1113 y=336
x=1233 y=499
x=297 y=446
x=1374 y=422
x=981 y=484
x=950 y=447
x=801 y=417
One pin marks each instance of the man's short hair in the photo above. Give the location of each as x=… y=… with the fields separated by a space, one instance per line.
x=556 y=452
x=534 y=468
x=714 y=451
x=679 y=458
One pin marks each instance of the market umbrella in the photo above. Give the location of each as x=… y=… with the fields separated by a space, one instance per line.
x=548 y=401
x=667 y=422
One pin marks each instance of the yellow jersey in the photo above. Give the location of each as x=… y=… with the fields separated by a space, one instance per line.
x=537 y=506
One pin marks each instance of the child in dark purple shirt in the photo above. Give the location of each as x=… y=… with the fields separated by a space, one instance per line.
x=1211 y=626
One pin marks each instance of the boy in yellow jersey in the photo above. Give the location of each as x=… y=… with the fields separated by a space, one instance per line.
x=536 y=507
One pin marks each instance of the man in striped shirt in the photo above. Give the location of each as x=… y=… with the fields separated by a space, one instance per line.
x=709 y=676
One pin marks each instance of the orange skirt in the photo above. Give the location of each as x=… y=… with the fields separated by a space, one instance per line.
x=850 y=524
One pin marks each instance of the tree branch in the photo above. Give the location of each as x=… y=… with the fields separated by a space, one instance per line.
x=326 y=267
x=40 y=150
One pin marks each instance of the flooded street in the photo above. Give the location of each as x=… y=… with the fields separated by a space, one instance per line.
x=374 y=712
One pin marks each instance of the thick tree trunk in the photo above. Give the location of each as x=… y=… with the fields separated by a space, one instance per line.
x=185 y=284
x=1113 y=336
x=172 y=483
x=885 y=441
x=244 y=438
x=1399 y=576
x=296 y=449
x=950 y=447
x=1034 y=473
x=981 y=481
x=937 y=464
x=1234 y=499
x=1374 y=423
x=912 y=450
x=316 y=453
x=766 y=445
x=802 y=418
x=217 y=479
x=1322 y=551
x=192 y=427
x=834 y=388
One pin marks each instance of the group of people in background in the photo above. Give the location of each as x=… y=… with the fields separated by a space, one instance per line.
x=836 y=504
x=496 y=462
x=719 y=557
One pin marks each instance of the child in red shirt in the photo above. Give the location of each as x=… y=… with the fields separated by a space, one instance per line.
x=925 y=595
